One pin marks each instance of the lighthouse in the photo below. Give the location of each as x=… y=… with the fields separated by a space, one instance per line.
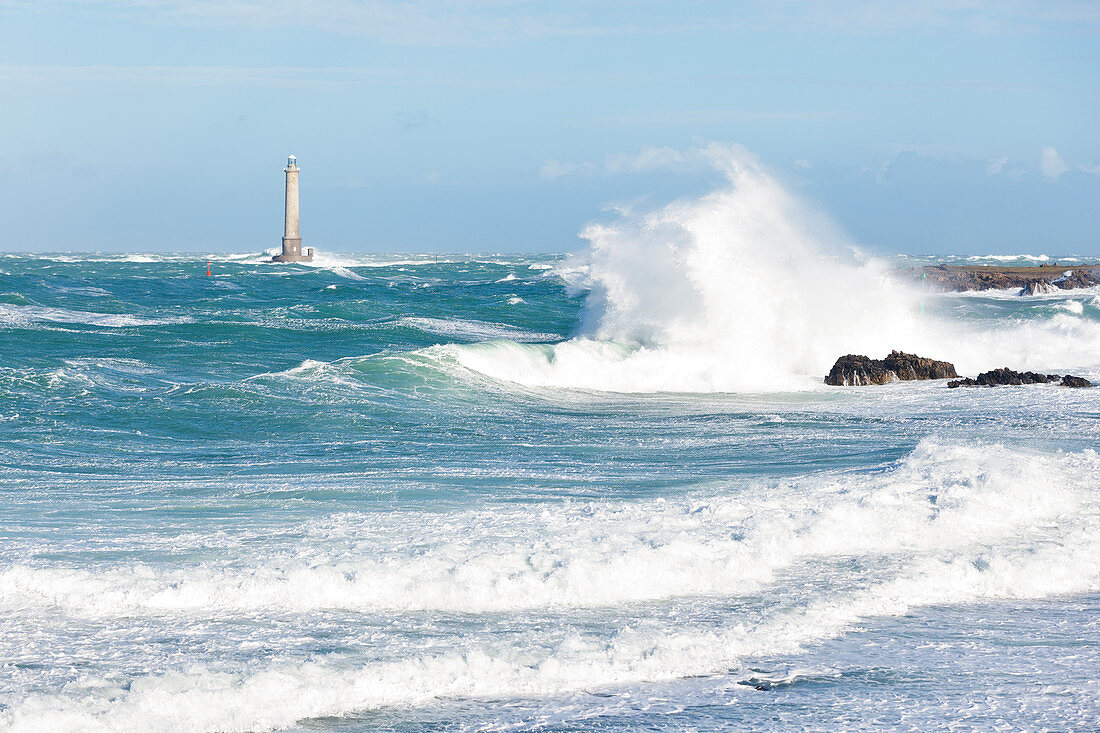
x=292 y=238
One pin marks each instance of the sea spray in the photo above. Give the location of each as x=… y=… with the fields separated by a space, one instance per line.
x=276 y=501
x=748 y=288
x=744 y=289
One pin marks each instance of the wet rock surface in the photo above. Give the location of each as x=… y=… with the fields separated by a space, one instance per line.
x=1040 y=280
x=857 y=370
x=1005 y=376
x=1038 y=287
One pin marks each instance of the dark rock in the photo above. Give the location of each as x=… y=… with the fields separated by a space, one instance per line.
x=1072 y=279
x=911 y=366
x=1038 y=287
x=856 y=370
x=957 y=278
x=1007 y=376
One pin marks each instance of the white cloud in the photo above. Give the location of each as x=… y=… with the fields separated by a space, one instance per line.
x=649 y=158
x=552 y=169
x=1051 y=164
x=996 y=165
x=802 y=162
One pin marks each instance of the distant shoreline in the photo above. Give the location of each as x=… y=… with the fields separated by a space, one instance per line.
x=1036 y=279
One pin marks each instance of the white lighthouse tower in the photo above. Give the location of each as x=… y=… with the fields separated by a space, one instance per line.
x=292 y=238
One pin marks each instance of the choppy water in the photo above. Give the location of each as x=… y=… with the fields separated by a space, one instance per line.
x=379 y=493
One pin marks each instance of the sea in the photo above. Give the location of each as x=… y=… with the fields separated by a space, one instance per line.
x=601 y=490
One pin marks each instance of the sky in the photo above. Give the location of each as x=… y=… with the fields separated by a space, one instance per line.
x=506 y=125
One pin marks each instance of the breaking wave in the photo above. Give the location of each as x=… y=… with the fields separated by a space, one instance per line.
x=21 y=316
x=941 y=500
x=749 y=289
x=471 y=330
x=949 y=524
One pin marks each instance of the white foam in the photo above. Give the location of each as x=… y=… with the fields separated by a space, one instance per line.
x=1014 y=294
x=742 y=289
x=944 y=498
x=1011 y=257
x=1076 y=307
x=20 y=316
x=749 y=289
x=85 y=290
x=950 y=524
x=330 y=373
x=345 y=272
x=473 y=329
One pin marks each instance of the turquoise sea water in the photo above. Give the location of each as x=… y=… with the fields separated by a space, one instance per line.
x=457 y=492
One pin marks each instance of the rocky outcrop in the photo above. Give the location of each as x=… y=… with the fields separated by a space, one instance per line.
x=1038 y=287
x=856 y=370
x=1007 y=376
x=1004 y=376
x=1079 y=278
x=911 y=366
x=1025 y=280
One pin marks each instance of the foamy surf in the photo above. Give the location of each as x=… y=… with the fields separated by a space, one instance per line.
x=23 y=316
x=472 y=330
x=942 y=500
x=610 y=492
x=950 y=524
x=749 y=289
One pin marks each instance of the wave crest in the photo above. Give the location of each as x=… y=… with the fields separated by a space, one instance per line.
x=949 y=524
x=748 y=288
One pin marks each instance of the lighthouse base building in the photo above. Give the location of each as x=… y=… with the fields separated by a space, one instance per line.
x=292 y=252
x=292 y=239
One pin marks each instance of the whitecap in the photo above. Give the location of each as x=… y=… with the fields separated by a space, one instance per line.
x=20 y=316
x=950 y=524
x=470 y=329
x=748 y=289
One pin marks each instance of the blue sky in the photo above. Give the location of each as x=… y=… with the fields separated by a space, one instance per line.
x=506 y=125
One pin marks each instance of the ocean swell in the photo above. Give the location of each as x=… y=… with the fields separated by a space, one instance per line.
x=27 y=316
x=940 y=501
x=949 y=524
